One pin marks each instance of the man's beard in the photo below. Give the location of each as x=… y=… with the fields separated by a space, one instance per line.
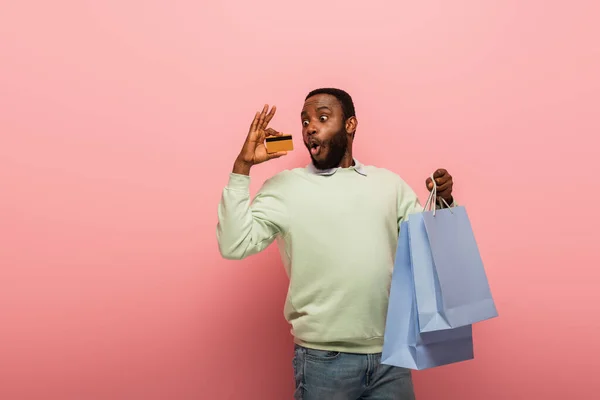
x=336 y=147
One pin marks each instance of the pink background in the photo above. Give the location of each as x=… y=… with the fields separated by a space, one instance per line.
x=119 y=124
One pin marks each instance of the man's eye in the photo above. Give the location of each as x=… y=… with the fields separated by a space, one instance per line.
x=305 y=123
x=323 y=118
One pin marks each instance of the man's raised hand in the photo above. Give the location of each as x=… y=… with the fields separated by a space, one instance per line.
x=254 y=150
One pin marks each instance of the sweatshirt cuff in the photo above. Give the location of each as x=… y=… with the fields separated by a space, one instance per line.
x=238 y=181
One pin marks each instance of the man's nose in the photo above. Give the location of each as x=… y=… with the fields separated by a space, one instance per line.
x=311 y=129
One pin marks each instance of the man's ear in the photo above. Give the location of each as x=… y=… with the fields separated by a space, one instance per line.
x=351 y=124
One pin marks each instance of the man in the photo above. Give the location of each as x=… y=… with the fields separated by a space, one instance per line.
x=336 y=222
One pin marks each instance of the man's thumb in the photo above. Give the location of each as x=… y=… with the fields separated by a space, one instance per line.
x=277 y=155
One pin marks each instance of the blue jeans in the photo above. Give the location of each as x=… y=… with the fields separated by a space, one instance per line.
x=331 y=375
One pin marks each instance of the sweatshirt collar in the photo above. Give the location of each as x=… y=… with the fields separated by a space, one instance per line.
x=358 y=167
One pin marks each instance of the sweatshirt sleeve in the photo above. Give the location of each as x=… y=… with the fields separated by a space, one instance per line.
x=408 y=202
x=247 y=227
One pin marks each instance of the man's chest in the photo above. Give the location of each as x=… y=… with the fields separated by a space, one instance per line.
x=333 y=208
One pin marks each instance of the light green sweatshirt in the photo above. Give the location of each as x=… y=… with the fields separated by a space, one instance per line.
x=337 y=232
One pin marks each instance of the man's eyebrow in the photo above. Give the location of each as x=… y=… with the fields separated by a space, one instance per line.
x=303 y=113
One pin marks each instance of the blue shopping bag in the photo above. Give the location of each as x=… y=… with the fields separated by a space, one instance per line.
x=451 y=285
x=403 y=345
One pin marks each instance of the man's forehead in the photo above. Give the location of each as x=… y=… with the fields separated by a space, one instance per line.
x=321 y=100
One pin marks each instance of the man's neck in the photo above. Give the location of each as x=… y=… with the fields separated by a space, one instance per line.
x=347 y=160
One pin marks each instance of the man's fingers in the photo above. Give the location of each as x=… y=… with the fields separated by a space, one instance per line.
x=272 y=132
x=444 y=186
x=269 y=116
x=439 y=173
x=262 y=116
x=444 y=194
x=429 y=184
x=254 y=122
x=441 y=183
x=277 y=155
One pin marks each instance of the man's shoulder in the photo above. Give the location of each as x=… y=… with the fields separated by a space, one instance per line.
x=282 y=178
x=384 y=173
x=392 y=179
x=288 y=174
x=388 y=177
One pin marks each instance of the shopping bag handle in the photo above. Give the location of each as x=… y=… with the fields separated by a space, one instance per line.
x=432 y=196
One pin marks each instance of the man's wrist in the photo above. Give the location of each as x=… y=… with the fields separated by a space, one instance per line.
x=241 y=167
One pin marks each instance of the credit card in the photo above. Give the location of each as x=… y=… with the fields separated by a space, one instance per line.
x=279 y=143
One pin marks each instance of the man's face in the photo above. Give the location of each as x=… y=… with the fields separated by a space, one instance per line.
x=323 y=130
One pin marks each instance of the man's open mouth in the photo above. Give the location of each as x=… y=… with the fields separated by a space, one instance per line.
x=314 y=147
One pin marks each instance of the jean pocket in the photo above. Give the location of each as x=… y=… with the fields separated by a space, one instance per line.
x=321 y=355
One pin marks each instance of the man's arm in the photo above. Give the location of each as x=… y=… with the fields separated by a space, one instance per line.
x=408 y=202
x=247 y=227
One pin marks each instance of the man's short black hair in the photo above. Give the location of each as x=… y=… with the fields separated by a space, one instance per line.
x=344 y=98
